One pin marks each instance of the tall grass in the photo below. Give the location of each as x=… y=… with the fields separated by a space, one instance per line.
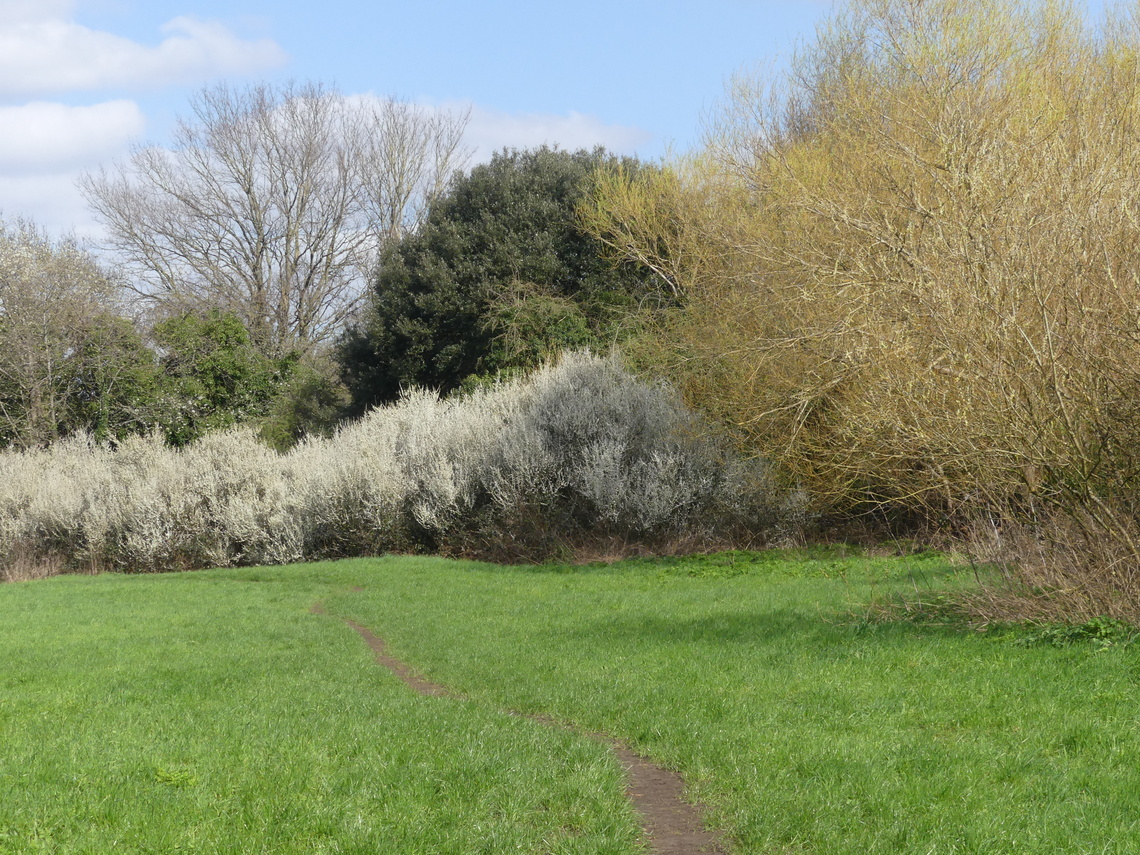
x=579 y=452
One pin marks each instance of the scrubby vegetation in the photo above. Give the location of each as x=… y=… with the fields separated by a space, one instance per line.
x=75 y=359
x=909 y=277
x=579 y=455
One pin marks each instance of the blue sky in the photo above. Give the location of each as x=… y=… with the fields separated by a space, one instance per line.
x=80 y=80
x=632 y=63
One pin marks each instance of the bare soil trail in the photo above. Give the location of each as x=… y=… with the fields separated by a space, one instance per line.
x=673 y=826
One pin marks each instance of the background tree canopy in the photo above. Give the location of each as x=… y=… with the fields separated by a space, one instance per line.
x=273 y=205
x=72 y=362
x=213 y=375
x=498 y=276
x=67 y=361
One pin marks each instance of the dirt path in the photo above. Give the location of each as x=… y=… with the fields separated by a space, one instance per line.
x=672 y=824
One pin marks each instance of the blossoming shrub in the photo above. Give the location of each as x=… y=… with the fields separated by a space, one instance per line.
x=578 y=452
x=591 y=451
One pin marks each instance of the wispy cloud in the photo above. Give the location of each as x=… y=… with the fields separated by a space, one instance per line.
x=20 y=11
x=52 y=200
x=43 y=51
x=492 y=130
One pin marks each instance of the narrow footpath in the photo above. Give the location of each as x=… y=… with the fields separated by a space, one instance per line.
x=672 y=825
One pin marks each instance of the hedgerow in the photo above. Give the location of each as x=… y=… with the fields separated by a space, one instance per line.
x=578 y=455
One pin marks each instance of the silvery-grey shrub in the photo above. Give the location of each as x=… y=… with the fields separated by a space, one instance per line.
x=614 y=451
x=580 y=448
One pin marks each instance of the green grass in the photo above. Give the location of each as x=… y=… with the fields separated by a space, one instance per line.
x=212 y=712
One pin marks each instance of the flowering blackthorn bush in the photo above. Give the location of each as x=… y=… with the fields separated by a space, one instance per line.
x=578 y=452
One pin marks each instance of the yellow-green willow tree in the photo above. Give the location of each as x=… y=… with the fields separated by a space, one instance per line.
x=910 y=265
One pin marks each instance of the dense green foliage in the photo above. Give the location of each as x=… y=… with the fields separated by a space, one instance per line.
x=118 y=385
x=66 y=359
x=212 y=375
x=107 y=385
x=498 y=276
x=199 y=372
x=213 y=712
x=311 y=402
x=74 y=360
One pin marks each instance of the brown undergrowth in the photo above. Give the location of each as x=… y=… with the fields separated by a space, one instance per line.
x=25 y=565
x=1063 y=568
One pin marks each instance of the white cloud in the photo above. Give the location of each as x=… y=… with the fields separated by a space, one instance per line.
x=489 y=131
x=45 y=146
x=52 y=201
x=45 y=51
x=51 y=138
x=19 y=11
x=492 y=130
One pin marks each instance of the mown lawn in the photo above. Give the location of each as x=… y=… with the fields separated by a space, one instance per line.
x=212 y=712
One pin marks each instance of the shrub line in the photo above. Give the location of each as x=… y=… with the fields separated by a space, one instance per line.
x=579 y=453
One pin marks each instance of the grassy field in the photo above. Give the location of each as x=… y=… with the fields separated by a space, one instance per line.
x=213 y=712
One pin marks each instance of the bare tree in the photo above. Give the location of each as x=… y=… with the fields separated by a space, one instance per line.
x=273 y=203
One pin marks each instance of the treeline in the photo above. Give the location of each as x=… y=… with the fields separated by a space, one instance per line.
x=223 y=422
x=496 y=277
x=903 y=274
x=73 y=359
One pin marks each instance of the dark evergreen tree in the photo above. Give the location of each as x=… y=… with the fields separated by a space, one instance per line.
x=498 y=276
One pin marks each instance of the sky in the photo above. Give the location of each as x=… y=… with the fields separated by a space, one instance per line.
x=82 y=81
